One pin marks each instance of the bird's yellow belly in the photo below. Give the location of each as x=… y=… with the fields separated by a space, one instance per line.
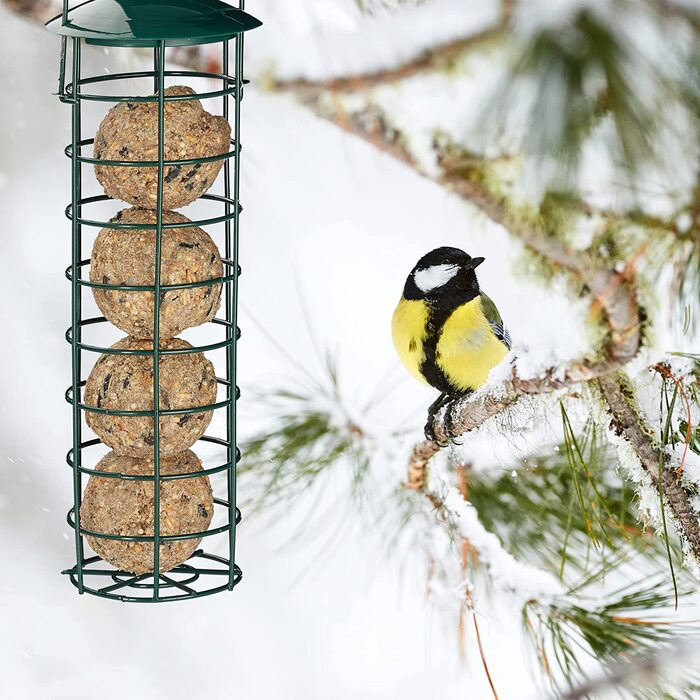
x=468 y=349
x=408 y=330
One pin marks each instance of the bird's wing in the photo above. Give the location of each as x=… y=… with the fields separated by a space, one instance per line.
x=495 y=320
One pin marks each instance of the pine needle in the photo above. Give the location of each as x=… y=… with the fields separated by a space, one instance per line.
x=665 y=432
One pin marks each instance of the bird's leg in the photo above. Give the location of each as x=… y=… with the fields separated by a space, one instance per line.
x=432 y=411
x=451 y=417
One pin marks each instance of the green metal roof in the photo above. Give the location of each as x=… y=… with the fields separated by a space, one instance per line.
x=148 y=22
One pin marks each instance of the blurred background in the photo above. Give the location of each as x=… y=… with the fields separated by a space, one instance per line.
x=559 y=141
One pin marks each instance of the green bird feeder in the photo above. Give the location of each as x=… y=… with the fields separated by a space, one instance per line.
x=154 y=25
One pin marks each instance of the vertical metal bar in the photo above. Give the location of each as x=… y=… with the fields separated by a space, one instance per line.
x=231 y=396
x=160 y=88
x=64 y=18
x=234 y=300
x=156 y=69
x=76 y=255
x=62 y=68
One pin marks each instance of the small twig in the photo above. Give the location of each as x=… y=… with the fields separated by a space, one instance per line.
x=637 y=621
x=465 y=550
x=482 y=654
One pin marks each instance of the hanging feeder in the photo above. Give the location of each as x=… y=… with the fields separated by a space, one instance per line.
x=148 y=508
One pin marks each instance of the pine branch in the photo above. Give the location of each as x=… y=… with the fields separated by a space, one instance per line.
x=561 y=622
x=613 y=294
x=625 y=624
x=457 y=514
x=635 y=673
x=627 y=422
x=568 y=510
x=433 y=59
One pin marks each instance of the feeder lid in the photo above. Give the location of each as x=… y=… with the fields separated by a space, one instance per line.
x=148 y=22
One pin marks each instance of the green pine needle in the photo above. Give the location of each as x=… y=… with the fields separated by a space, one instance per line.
x=539 y=515
x=583 y=69
x=309 y=435
x=628 y=622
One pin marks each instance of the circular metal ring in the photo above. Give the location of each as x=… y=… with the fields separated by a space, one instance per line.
x=153 y=227
x=85 y=282
x=149 y=477
x=226 y=80
x=151 y=414
x=70 y=519
x=120 y=577
x=131 y=581
x=68 y=150
x=142 y=353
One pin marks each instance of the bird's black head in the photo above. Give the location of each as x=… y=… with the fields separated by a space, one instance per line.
x=443 y=273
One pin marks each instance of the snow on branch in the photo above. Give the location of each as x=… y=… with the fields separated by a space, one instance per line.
x=525 y=582
x=435 y=58
x=432 y=59
x=638 y=448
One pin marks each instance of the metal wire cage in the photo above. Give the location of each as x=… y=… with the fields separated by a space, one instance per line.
x=154 y=25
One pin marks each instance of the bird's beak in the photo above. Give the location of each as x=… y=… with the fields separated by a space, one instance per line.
x=475 y=262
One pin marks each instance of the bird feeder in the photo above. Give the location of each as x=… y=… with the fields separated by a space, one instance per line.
x=150 y=396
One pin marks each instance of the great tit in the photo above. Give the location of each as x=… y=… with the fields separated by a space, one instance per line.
x=446 y=331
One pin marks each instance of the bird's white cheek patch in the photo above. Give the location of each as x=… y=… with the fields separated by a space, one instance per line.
x=434 y=277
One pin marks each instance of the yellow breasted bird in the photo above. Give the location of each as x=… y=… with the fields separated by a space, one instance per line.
x=447 y=332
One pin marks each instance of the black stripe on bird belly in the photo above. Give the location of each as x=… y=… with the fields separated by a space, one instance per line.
x=435 y=376
x=439 y=313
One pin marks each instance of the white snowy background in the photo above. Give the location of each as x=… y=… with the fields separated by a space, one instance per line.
x=330 y=229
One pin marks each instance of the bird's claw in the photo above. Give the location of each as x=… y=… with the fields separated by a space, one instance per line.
x=429 y=430
x=449 y=434
x=431 y=435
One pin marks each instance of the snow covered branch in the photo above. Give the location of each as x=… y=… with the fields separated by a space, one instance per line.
x=628 y=423
x=432 y=59
x=526 y=582
x=436 y=58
